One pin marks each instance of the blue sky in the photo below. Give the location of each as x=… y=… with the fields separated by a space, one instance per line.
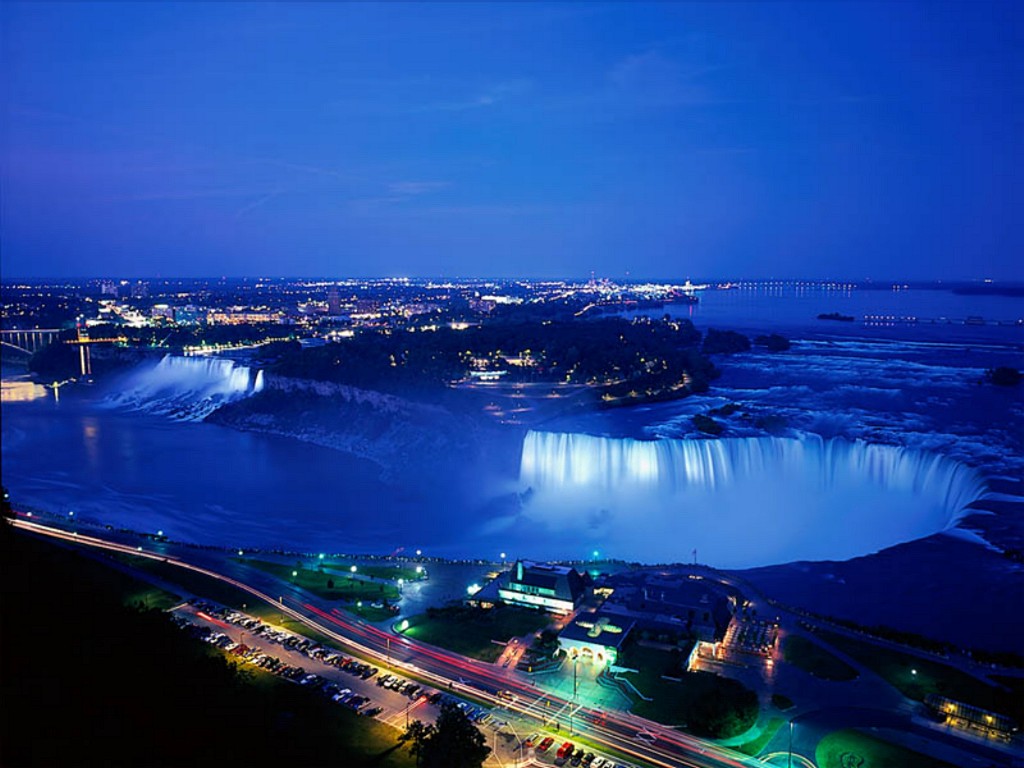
x=813 y=139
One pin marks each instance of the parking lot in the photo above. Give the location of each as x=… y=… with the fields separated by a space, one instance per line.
x=369 y=690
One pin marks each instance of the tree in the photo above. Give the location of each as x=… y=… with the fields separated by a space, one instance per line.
x=417 y=734
x=452 y=742
x=725 y=342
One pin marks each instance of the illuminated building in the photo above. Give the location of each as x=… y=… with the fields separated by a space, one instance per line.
x=554 y=588
x=594 y=637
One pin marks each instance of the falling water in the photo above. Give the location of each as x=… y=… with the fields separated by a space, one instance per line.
x=747 y=500
x=188 y=388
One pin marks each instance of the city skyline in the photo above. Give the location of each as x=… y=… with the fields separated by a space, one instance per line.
x=649 y=141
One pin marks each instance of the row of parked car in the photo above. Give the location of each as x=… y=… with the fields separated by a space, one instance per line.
x=567 y=753
x=570 y=754
x=343 y=696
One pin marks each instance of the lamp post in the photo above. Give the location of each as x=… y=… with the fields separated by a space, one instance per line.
x=572 y=707
x=790 y=743
x=518 y=740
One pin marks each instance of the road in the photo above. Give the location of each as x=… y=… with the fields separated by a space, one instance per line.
x=639 y=739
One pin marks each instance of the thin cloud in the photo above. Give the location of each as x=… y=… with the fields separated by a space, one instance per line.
x=491 y=96
x=241 y=212
x=413 y=188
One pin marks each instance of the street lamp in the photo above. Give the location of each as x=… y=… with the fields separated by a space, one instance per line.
x=572 y=709
x=353 y=569
x=518 y=739
x=790 y=743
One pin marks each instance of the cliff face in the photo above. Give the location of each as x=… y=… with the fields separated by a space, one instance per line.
x=395 y=433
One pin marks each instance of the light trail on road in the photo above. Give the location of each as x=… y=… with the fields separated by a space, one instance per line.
x=622 y=733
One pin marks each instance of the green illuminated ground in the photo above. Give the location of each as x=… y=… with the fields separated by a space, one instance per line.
x=849 y=749
x=702 y=703
x=472 y=631
x=754 y=746
x=916 y=677
x=324 y=584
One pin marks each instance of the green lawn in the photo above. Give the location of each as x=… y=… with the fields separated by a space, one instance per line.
x=190 y=581
x=754 y=746
x=846 y=749
x=812 y=658
x=703 y=703
x=392 y=572
x=469 y=631
x=130 y=683
x=324 y=584
x=368 y=612
x=916 y=677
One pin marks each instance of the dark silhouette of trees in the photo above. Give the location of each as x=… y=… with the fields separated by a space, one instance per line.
x=724 y=342
x=451 y=742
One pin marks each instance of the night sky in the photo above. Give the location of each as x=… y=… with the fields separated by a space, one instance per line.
x=811 y=139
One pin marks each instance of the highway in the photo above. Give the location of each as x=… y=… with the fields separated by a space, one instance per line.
x=639 y=739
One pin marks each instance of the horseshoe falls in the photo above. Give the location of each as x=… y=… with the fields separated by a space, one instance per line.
x=187 y=388
x=741 y=502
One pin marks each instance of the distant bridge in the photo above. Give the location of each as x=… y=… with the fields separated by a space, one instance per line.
x=30 y=342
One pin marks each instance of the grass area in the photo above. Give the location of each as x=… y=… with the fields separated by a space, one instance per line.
x=324 y=584
x=225 y=594
x=916 y=677
x=703 y=703
x=754 y=746
x=130 y=684
x=470 y=631
x=844 y=749
x=392 y=572
x=812 y=658
x=369 y=612
x=190 y=581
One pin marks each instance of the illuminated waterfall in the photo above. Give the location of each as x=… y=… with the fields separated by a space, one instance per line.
x=188 y=388
x=745 y=501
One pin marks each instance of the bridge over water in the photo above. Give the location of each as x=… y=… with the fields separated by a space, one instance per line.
x=30 y=341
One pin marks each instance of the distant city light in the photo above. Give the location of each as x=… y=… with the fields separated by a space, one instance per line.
x=419 y=552
x=240 y=553
x=353 y=569
x=419 y=569
x=472 y=589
